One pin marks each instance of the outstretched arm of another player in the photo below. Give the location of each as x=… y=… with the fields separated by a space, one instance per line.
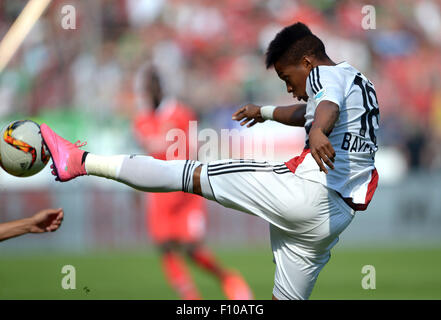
x=326 y=115
x=43 y=221
x=290 y=115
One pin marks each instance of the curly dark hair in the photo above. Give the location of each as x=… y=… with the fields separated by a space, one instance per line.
x=292 y=43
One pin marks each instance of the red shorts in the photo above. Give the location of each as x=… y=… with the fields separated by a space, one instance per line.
x=175 y=216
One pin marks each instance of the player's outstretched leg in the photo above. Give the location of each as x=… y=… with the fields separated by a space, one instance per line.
x=140 y=172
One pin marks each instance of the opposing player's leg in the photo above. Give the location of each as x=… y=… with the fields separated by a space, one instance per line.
x=140 y=172
x=204 y=259
x=176 y=271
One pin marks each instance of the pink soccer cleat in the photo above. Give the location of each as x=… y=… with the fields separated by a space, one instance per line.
x=68 y=160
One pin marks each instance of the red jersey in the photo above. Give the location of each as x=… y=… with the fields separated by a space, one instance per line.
x=174 y=216
x=151 y=129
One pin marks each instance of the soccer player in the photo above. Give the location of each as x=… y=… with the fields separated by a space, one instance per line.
x=176 y=221
x=308 y=200
x=47 y=220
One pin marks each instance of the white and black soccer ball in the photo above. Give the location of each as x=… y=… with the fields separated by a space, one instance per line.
x=22 y=150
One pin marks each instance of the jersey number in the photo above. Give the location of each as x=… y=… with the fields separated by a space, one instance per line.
x=370 y=104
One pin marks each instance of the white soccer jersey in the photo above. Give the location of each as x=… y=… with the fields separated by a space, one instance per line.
x=353 y=137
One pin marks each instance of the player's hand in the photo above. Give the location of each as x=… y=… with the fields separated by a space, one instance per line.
x=247 y=113
x=321 y=149
x=47 y=220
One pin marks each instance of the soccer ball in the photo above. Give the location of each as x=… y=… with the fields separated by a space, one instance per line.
x=22 y=150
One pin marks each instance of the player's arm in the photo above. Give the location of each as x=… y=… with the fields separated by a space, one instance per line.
x=43 y=221
x=326 y=115
x=290 y=115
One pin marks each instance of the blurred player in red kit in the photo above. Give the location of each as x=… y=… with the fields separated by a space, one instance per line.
x=176 y=221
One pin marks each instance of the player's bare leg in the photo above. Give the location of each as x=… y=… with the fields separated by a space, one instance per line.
x=197 y=189
x=143 y=173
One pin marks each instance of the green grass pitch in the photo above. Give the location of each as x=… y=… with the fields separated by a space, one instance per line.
x=400 y=274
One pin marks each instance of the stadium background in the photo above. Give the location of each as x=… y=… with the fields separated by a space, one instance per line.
x=81 y=82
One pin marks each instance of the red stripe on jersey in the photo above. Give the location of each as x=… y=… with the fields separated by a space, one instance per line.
x=296 y=161
x=372 y=186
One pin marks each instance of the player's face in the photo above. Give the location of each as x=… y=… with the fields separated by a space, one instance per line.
x=295 y=76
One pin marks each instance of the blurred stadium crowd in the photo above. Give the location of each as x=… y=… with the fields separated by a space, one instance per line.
x=211 y=54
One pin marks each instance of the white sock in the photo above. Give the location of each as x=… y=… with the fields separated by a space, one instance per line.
x=104 y=166
x=143 y=172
